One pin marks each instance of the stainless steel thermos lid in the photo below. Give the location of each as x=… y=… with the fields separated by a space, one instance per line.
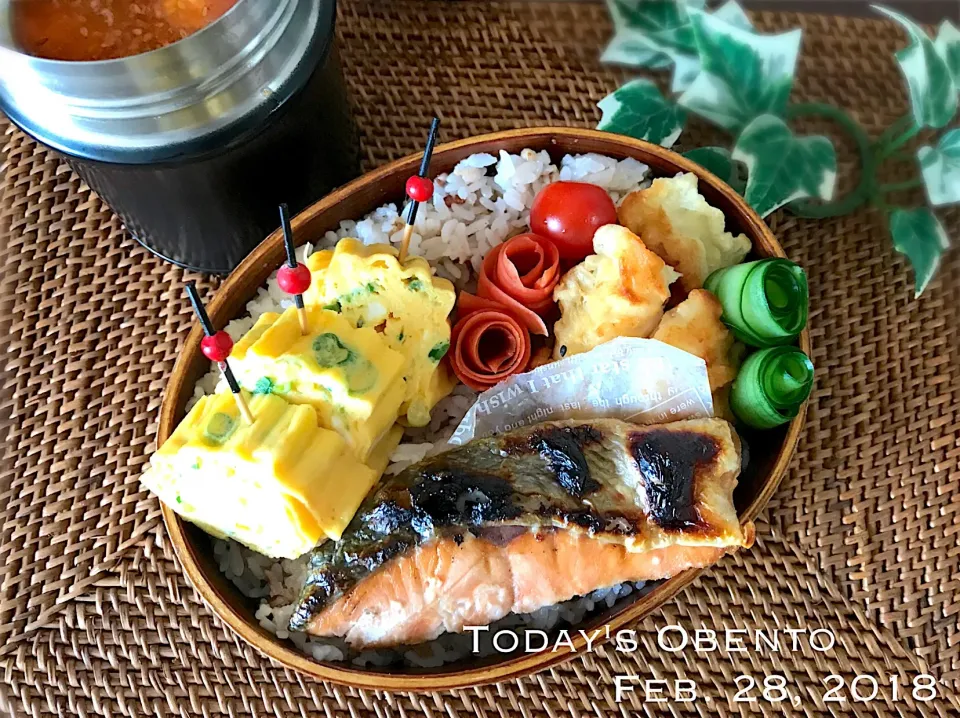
x=168 y=102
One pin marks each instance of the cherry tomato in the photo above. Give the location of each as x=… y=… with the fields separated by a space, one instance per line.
x=568 y=213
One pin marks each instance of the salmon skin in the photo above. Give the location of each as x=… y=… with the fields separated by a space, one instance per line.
x=522 y=520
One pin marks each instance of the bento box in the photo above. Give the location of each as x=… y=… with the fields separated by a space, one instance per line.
x=770 y=452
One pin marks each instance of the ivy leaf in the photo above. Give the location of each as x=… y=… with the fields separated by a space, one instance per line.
x=639 y=110
x=732 y=14
x=687 y=67
x=743 y=74
x=661 y=25
x=947 y=45
x=650 y=33
x=685 y=71
x=918 y=234
x=783 y=167
x=630 y=48
x=656 y=33
x=933 y=94
x=719 y=161
x=941 y=169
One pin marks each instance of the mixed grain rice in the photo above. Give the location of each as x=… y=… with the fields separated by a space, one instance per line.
x=484 y=201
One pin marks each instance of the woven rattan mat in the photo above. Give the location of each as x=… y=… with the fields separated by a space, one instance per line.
x=861 y=538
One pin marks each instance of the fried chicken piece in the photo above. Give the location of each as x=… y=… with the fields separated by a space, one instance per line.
x=694 y=326
x=617 y=292
x=676 y=222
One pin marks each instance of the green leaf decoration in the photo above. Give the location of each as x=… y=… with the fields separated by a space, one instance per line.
x=933 y=94
x=685 y=71
x=783 y=167
x=629 y=48
x=918 y=234
x=651 y=33
x=947 y=46
x=719 y=161
x=743 y=74
x=656 y=33
x=661 y=25
x=639 y=110
x=732 y=14
x=941 y=169
x=687 y=67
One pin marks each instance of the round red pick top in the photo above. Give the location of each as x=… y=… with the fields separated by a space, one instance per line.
x=217 y=347
x=294 y=280
x=419 y=189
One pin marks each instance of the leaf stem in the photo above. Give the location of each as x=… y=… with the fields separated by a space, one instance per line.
x=815 y=209
x=893 y=130
x=898 y=186
x=891 y=147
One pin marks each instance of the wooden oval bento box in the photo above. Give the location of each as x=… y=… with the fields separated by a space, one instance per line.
x=768 y=458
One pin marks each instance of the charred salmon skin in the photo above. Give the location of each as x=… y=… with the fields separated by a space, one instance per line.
x=523 y=520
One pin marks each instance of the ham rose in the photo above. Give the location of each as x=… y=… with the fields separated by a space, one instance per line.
x=520 y=275
x=488 y=343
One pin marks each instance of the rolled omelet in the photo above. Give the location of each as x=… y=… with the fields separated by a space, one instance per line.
x=349 y=375
x=406 y=304
x=279 y=485
x=676 y=222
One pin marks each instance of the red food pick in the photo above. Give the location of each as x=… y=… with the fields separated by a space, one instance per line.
x=419 y=189
x=217 y=347
x=294 y=280
x=520 y=275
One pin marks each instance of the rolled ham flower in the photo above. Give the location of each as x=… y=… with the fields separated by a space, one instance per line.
x=520 y=275
x=488 y=343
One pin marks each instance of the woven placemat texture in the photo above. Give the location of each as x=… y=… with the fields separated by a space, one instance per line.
x=95 y=615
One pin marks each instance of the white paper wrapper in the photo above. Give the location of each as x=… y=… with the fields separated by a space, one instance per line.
x=640 y=380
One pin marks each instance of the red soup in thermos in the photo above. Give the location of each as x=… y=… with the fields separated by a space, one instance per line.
x=193 y=119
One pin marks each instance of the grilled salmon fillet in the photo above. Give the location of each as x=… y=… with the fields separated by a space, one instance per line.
x=523 y=520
